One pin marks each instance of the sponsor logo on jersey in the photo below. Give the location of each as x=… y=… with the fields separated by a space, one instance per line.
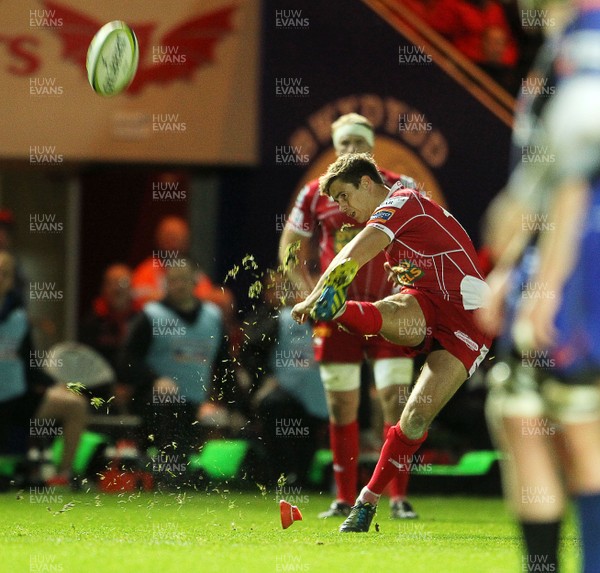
x=381 y=216
x=407 y=273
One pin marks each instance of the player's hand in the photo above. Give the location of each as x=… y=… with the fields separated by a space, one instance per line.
x=392 y=274
x=301 y=311
x=534 y=327
x=490 y=318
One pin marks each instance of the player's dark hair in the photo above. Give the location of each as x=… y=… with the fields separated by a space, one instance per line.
x=350 y=168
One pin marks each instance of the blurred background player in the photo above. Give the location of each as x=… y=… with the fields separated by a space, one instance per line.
x=177 y=363
x=106 y=326
x=287 y=396
x=7 y=234
x=339 y=353
x=441 y=287
x=544 y=231
x=172 y=240
x=29 y=399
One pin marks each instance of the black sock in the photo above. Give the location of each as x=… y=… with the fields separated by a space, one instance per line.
x=541 y=545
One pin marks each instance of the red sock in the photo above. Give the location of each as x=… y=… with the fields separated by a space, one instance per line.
x=361 y=317
x=399 y=449
x=344 y=445
x=399 y=483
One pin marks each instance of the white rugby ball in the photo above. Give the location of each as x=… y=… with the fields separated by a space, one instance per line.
x=112 y=58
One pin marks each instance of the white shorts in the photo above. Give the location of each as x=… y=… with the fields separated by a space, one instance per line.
x=343 y=377
x=529 y=394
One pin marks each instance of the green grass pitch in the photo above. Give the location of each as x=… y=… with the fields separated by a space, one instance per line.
x=226 y=531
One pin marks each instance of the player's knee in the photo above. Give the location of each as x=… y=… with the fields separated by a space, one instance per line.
x=391 y=309
x=392 y=402
x=342 y=383
x=70 y=402
x=386 y=306
x=403 y=322
x=74 y=401
x=341 y=416
x=343 y=407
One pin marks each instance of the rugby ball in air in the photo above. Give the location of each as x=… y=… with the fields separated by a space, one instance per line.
x=112 y=58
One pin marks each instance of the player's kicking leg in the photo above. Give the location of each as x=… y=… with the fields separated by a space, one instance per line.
x=391 y=375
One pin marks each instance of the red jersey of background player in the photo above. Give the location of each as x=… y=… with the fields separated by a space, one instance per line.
x=431 y=249
x=312 y=210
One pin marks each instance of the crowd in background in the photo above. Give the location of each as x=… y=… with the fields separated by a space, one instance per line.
x=179 y=358
x=496 y=35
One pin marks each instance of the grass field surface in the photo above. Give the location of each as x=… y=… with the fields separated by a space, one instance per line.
x=55 y=530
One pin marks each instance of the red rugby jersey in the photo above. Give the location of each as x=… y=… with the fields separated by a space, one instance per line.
x=430 y=247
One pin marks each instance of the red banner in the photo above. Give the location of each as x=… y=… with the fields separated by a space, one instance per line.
x=184 y=105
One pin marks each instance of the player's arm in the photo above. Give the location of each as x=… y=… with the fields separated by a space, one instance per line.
x=364 y=247
x=295 y=261
x=558 y=253
x=507 y=237
x=504 y=232
x=558 y=249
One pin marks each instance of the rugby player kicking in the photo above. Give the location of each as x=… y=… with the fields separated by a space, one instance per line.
x=432 y=259
x=338 y=352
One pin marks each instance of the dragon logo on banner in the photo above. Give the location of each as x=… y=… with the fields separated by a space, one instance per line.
x=176 y=56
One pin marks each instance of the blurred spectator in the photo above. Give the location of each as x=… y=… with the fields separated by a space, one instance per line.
x=494 y=45
x=7 y=230
x=177 y=364
x=477 y=28
x=105 y=327
x=7 y=222
x=30 y=405
x=172 y=241
x=482 y=32
x=288 y=398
